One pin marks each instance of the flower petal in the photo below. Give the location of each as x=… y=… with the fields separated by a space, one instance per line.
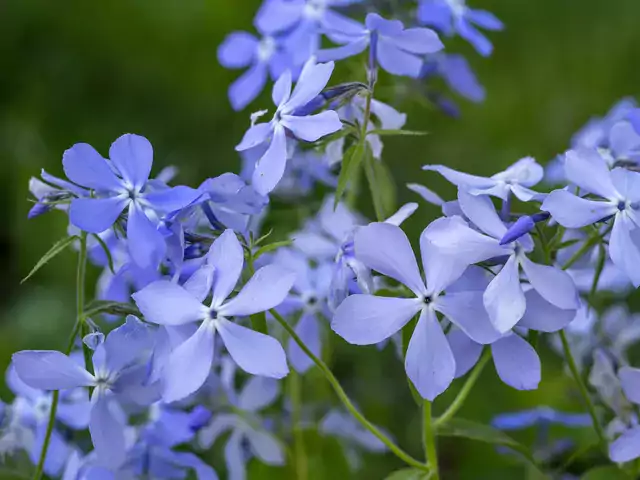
x=480 y=211
x=554 y=285
x=282 y=88
x=253 y=137
x=84 y=166
x=189 y=364
x=397 y=61
x=312 y=127
x=626 y=447
x=504 y=299
x=254 y=352
x=95 y=215
x=172 y=199
x=627 y=183
x=200 y=282
x=587 y=169
x=630 y=381
x=166 y=303
x=465 y=351
x=543 y=316
x=132 y=155
x=466 y=310
x=309 y=332
x=575 y=212
x=227 y=258
x=367 y=319
x=248 y=86
x=258 y=393
x=237 y=50
x=312 y=80
x=624 y=247
x=420 y=41
x=358 y=45
x=484 y=19
x=147 y=246
x=265 y=446
x=385 y=248
x=270 y=168
x=50 y=370
x=429 y=361
x=107 y=432
x=517 y=363
x=266 y=289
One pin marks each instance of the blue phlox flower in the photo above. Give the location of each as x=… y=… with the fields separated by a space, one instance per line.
x=120 y=184
x=516 y=180
x=120 y=377
x=368 y=319
x=397 y=50
x=270 y=167
x=249 y=435
x=627 y=446
x=634 y=117
x=595 y=134
x=262 y=57
x=620 y=190
x=352 y=436
x=553 y=299
x=308 y=298
x=539 y=416
x=52 y=192
x=454 y=16
x=456 y=72
x=166 y=303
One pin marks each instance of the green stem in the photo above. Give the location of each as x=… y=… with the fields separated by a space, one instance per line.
x=78 y=326
x=429 y=440
x=586 y=246
x=408 y=459
x=295 y=392
x=583 y=390
x=80 y=290
x=464 y=391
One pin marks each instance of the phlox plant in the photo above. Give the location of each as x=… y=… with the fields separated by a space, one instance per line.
x=206 y=324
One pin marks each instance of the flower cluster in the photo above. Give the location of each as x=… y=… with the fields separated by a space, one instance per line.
x=200 y=314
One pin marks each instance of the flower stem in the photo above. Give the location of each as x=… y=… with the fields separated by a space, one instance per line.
x=583 y=390
x=401 y=454
x=586 y=246
x=429 y=440
x=295 y=392
x=78 y=327
x=464 y=391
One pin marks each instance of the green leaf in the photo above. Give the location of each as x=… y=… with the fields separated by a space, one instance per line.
x=58 y=247
x=407 y=474
x=412 y=133
x=108 y=307
x=271 y=247
x=458 y=427
x=382 y=186
x=106 y=250
x=350 y=164
x=609 y=472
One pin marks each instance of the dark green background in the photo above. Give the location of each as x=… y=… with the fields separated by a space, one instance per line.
x=77 y=71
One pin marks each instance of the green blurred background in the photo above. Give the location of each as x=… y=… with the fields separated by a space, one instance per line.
x=78 y=71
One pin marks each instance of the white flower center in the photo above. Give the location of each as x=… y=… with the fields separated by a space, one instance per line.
x=458 y=7
x=314 y=9
x=266 y=49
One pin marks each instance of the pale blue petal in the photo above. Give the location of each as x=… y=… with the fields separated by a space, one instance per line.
x=465 y=351
x=587 y=169
x=237 y=50
x=234 y=457
x=345 y=51
x=542 y=316
x=270 y=168
x=426 y=194
x=397 y=61
x=437 y=15
x=484 y=19
x=258 y=393
x=312 y=127
x=429 y=361
x=278 y=15
x=456 y=71
x=146 y=244
x=474 y=37
x=420 y=41
x=367 y=319
x=309 y=332
x=166 y=303
x=440 y=269
x=624 y=141
x=266 y=289
x=517 y=363
x=575 y=212
x=171 y=199
x=554 y=285
x=504 y=299
x=624 y=247
x=200 y=283
x=131 y=341
x=107 y=432
x=466 y=310
x=386 y=249
x=254 y=352
x=265 y=446
x=460 y=179
x=482 y=213
x=132 y=155
x=220 y=424
x=281 y=89
x=630 y=382
x=248 y=86
x=627 y=183
x=626 y=447
x=95 y=215
x=402 y=214
x=84 y=166
x=189 y=365
x=253 y=137
x=227 y=258
x=312 y=80
x=50 y=370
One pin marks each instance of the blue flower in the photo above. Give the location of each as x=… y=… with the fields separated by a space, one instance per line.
x=121 y=184
x=456 y=72
x=396 y=49
x=620 y=191
x=453 y=16
x=52 y=192
x=270 y=167
x=120 y=376
x=169 y=304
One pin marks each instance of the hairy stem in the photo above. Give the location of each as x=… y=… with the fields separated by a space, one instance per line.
x=583 y=390
x=464 y=391
x=401 y=454
x=429 y=440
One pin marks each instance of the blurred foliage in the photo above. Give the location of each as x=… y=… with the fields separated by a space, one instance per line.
x=76 y=71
